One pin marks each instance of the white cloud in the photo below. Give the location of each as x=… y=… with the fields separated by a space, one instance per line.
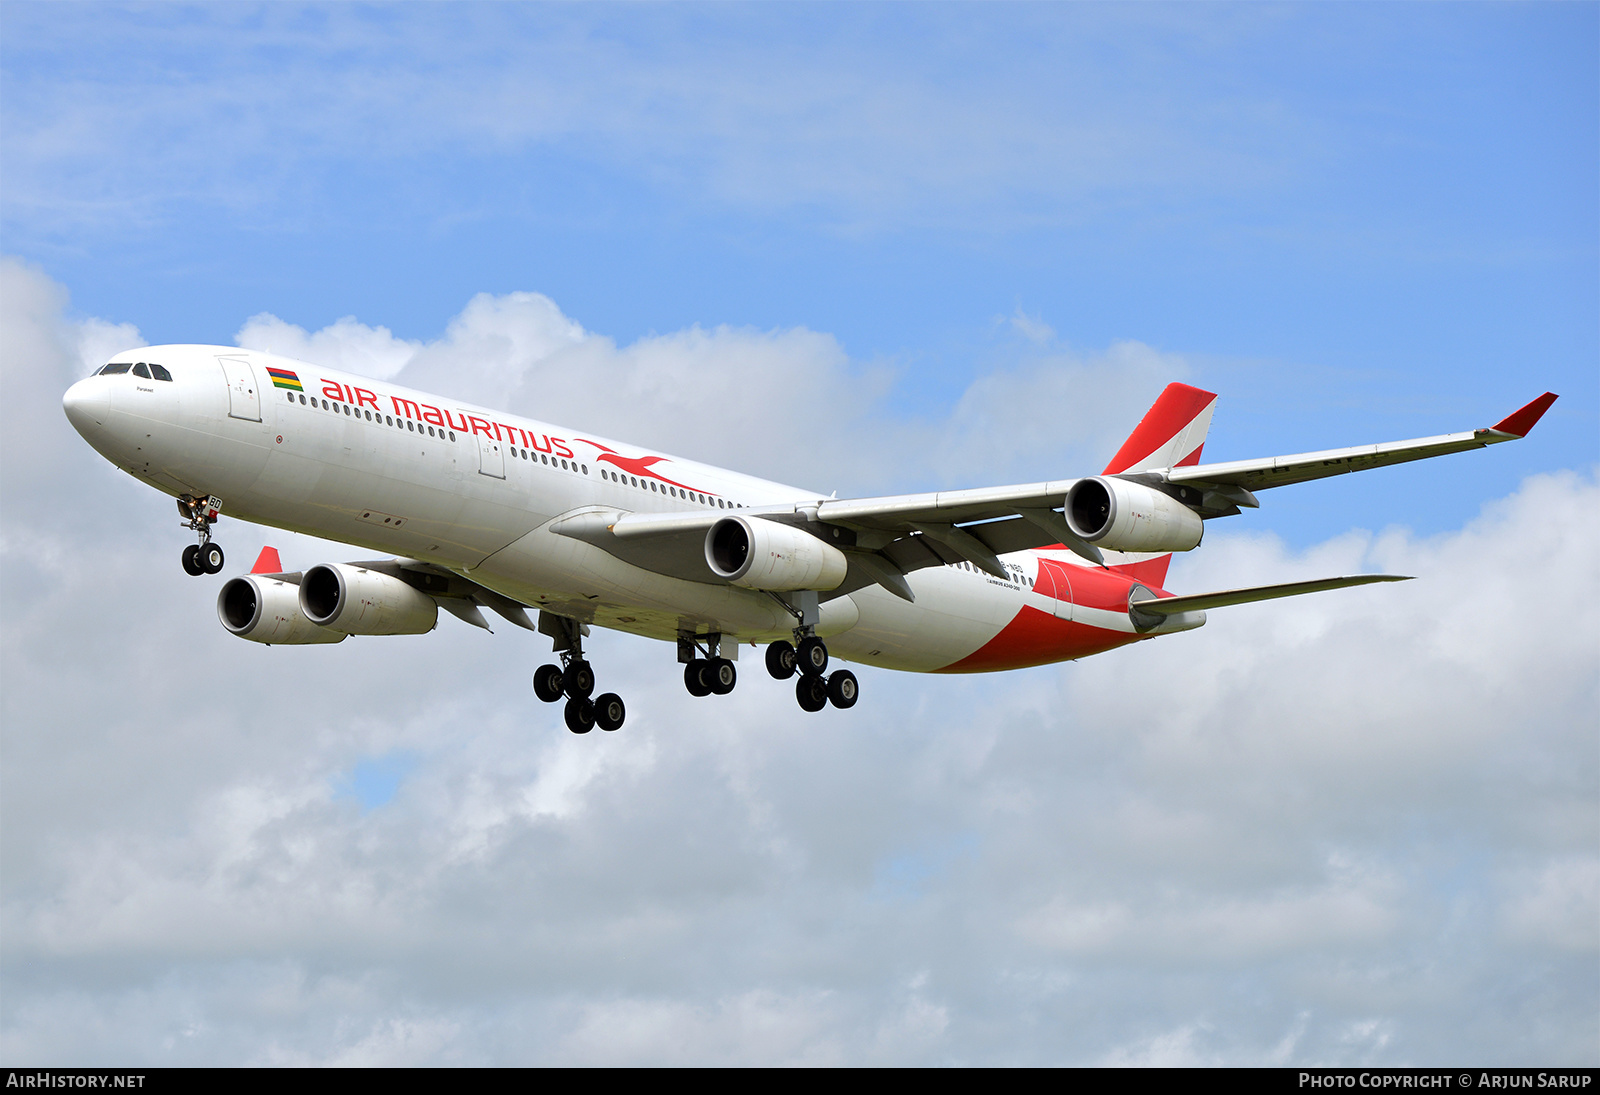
x=1357 y=826
x=788 y=404
x=345 y=344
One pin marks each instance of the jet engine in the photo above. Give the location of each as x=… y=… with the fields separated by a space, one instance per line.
x=265 y=610
x=1124 y=516
x=759 y=554
x=357 y=601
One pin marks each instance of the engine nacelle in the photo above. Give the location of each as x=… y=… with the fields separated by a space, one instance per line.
x=1123 y=516
x=265 y=610
x=357 y=601
x=758 y=554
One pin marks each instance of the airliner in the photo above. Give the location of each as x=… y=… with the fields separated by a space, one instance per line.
x=474 y=509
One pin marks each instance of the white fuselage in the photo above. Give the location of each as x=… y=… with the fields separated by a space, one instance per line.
x=476 y=491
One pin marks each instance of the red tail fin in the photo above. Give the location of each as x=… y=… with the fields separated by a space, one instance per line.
x=1152 y=572
x=1170 y=434
x=267 y=562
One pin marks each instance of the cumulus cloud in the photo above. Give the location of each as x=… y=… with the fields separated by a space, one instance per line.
x=345 y=344
x=1356 y=826
x=789 y=404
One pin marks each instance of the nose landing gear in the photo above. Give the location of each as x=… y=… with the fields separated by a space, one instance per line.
x=200 y=514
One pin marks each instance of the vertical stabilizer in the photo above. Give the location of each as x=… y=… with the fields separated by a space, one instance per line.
x=1171 y=433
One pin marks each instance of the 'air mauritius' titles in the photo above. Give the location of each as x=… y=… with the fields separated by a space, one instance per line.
x=472 y=424
x=427 y=412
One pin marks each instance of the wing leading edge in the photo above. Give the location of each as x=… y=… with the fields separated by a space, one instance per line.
x=891 y=536
x=1279 y=471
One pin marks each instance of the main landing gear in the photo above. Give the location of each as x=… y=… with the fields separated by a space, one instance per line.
x=200 y=514
x=813 y=690
x=705 y=671
x=574 y=679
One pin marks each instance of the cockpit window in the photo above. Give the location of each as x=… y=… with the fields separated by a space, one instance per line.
x=116 y=367
x=160 y=373
x=142 y=369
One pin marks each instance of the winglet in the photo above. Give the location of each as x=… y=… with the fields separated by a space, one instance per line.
x=1518 y=423
x=267 y=562
x=1170 y=434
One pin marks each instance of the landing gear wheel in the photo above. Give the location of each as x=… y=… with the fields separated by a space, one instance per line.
x=813 y=656
x=609 y=711
x=781 y=660
x=578 y=680
x=812 y=692
x=696 y=678
x=549 y=683
x=210 y=558
x=191 y=561
x=722 y=676
x=842 y=689
x=580 y=715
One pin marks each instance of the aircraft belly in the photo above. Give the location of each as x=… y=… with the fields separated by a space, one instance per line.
x=579 y=580
x=966 y=622
x=956 y=612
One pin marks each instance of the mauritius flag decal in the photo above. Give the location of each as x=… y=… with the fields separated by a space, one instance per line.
x=283 y=378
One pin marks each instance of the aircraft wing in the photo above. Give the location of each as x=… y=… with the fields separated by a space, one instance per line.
x=1278 y=471
x=886 y=538
x=457 y=595
x=883 y=539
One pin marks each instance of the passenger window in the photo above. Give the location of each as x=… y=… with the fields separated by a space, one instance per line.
x=291 y=396
x=142 y=369
x=302 y=400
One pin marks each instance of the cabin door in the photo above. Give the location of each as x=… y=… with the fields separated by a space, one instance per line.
x=244 y=397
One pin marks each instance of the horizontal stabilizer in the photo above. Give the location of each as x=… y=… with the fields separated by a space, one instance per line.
x=1196 y=602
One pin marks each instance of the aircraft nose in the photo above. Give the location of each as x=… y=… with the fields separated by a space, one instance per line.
x=87 y=404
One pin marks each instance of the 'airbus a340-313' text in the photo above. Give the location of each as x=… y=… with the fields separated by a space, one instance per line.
x=474 y=509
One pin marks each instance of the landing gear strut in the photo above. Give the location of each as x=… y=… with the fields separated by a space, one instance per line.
x=809 y=655
x=200 y=514
x=705 y=671
x=574 y=679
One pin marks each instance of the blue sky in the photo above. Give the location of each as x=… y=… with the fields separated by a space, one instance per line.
x=901 y=246
x=1351 y=221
